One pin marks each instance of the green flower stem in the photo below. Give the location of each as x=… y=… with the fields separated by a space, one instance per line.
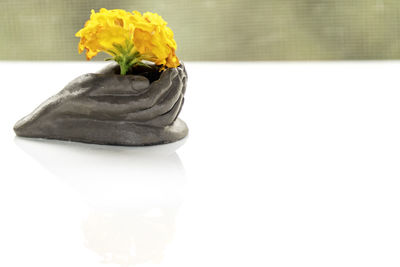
x=124 y=65
x=126 y=56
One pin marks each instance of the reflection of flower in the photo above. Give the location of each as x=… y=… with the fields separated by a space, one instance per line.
x=131 y=237
x=129 y=38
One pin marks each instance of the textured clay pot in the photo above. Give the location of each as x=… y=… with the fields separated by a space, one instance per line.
x=107 y=108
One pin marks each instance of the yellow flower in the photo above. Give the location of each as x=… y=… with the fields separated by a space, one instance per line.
x=129 y=38
x=154 y=40
x=104 y=31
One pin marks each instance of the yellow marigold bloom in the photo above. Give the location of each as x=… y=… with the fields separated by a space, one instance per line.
x=104 y=30
x=154 y=40
x=129 y=38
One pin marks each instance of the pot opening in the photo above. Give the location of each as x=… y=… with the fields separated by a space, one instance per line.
x=151 y=71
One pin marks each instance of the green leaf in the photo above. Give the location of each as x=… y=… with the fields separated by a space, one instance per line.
x=119 y=48
x=140 y=63
x=111 y=52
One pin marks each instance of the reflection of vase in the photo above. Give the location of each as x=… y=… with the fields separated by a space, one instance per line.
x=113 y=176
x=134 y=195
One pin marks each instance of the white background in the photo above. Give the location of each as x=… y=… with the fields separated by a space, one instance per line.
x=286 y=164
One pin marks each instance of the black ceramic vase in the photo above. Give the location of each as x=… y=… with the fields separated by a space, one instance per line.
x=140 y=108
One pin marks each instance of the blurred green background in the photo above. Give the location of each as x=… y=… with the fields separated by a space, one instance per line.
x=227 y=30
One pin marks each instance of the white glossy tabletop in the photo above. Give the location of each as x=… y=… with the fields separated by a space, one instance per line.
x=286 y=164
